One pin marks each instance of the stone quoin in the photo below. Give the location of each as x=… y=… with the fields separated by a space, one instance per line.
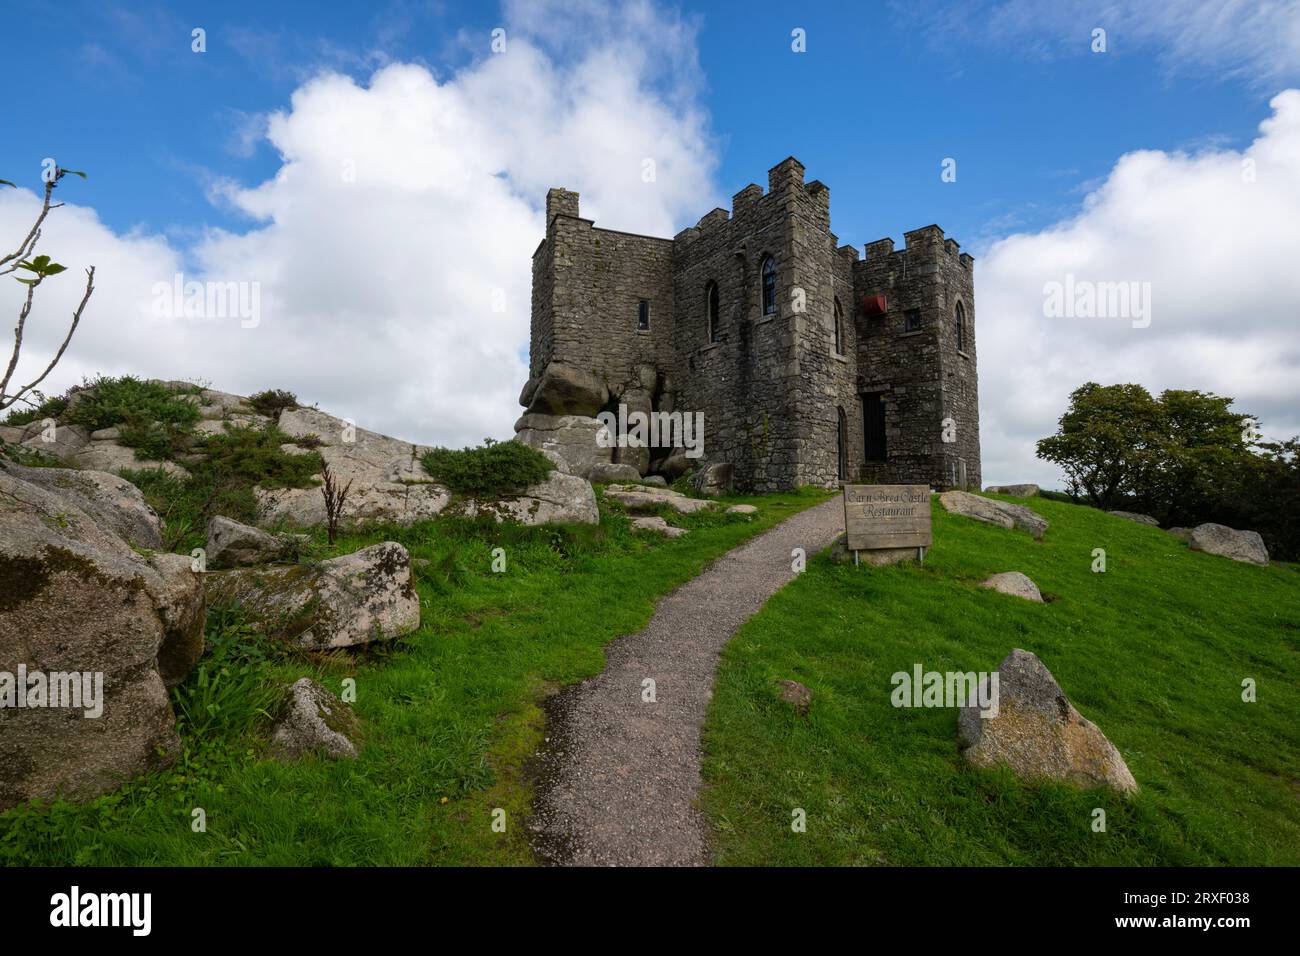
x=810 y=365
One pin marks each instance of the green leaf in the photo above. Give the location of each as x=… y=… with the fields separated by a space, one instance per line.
x=41 y=262
x=5 y=182
x=28 y=281
x=72 y=172
x=54 y=269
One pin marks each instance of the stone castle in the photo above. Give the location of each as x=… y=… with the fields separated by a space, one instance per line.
x=811 y=366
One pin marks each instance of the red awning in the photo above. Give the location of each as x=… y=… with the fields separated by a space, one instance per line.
x=873 y=305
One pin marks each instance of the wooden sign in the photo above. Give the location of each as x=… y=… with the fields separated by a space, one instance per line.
x=887 y=516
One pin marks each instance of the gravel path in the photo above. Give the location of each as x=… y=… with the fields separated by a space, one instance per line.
x=619 y=776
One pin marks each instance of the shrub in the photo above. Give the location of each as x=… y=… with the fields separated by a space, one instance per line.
x=154 y=419
x=272 y=402
x=491 y=470
x=222 y=482
x=48 y=408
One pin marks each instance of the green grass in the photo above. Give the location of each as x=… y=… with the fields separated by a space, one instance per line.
x=1153 y=651
x=451 y=712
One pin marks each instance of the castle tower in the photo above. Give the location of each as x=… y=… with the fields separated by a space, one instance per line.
x=809 y=365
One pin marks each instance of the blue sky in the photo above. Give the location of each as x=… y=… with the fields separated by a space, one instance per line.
x=1119 y=165
x=879 y=99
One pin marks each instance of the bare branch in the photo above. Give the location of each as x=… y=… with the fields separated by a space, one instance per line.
x=76 y=320
x=30 y=242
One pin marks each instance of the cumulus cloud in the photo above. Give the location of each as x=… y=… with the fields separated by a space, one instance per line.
x=391 y=250
x=1214 y=234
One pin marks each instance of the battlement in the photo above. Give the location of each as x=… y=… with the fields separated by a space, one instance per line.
x=851 y=387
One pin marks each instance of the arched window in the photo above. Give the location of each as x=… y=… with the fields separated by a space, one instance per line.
x=715 y=317
x=839 y=331
x=768 y=272
x=961 y=328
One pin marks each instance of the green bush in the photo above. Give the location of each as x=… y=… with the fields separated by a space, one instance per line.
x=493 y=469
x=272 y=402
x=222 y=482
x=48 y=408
x=155 y=419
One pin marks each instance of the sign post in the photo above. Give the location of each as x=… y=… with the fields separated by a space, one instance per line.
x=887 y=518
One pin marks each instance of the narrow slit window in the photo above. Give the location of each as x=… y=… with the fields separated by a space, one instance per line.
x=643 y=315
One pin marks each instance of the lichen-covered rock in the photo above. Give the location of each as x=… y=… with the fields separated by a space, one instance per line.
x=1016 y=491
x=182 y=603
x=113 y=502
x=990 y=510
x=75 y=598
x=1246 y=546
x=714 y=480
x=1014 y=583
x=640 y=499
x=658 y=525
x=111 y=457
x=560 y=499
x=578 y=442
x=388 y=483
x=1038 y=733
x=742 y=510
x=60 y=441
x=606 y=473
x=314 y=721
x=234 y=545
x=342 y=602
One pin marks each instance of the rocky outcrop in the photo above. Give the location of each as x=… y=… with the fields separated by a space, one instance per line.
x=577 y=444
x=642 y=499
x=1246 y=546
x=658 y=525
x=566 y=390
x=342 y=602
x=234 y=545
x=1016 y=584
x=560 y=499
x=606 y=473
x=1135 y=517
x=314 y=721
x=1015 y=491
x=76 y=599
x=1001 y=513
x=112 y=502
x=1038 y=733
x=388 y=481
x=714 y=480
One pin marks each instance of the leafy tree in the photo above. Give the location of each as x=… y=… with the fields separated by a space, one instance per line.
x=1185 y=458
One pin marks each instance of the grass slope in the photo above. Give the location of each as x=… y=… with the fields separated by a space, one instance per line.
x=450 y=714
x=1153 y=651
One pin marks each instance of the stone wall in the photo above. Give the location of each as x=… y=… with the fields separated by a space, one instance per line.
x=772 y=387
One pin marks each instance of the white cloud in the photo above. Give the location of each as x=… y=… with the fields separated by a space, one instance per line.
x=1220 y=253
x=400 y=207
